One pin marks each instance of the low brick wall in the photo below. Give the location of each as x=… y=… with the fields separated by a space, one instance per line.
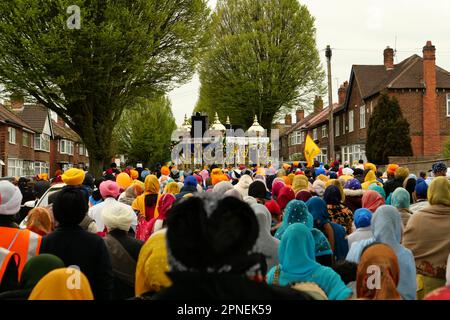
x=418 y=164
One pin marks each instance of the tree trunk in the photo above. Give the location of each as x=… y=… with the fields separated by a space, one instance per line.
x=96 y=166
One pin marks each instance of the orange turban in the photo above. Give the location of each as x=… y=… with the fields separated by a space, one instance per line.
x=165 y=170
x=392 y=168
x=218 y=178
x=134 y=174
x=124 y=180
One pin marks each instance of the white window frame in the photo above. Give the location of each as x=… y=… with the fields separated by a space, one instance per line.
x=12 y=135
x=315 y=134
x=336 y=127
x=324 y=131
x=42 y=142
x=448 y=104
x=41 y=167
x=66 y=147
x=362 y=117
x=351 y=121
x=25 y=134
x=15 y=167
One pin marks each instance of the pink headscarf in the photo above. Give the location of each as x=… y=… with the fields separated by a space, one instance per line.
x=164 y=204
x=109 y=188
x=204 y=174
x=372 y=200
x=285 y=196
x=276 y=187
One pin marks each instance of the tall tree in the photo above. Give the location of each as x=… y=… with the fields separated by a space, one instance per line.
x=262 y=60
x=388 y=133
x=144 y=131
x=123 y=50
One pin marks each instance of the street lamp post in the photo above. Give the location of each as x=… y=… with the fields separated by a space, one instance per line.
x=331 y=155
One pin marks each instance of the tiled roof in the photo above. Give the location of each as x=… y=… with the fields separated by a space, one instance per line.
x=322 y=116
x=61 y=131
x=34 y=115
x=7 y=116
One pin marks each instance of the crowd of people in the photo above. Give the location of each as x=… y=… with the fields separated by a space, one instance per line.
x=246 y=232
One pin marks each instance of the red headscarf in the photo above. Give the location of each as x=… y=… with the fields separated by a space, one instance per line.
x=372 y=200
x=285 y=196
x=164 y=204
x=303 y=195
x=276 y=187
x=273 y=207
x=439 y=294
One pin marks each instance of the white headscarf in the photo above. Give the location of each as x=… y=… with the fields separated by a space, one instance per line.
x=222 y=187
x=243 y=184
x=266 y=243
x=347 y=171
x=118 y=216
x=10 y=198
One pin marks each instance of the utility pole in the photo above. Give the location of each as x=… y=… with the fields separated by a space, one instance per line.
x=331 y=155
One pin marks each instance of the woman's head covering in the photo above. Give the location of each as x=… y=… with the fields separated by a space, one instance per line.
x=295 y=212
x=401 y=173
x=371 y=167
x=300 y=183
x=370 y=177
x=124 y=180
x=40 y=221
x=109 y=188
x=439 y=191
x=233 y=193
x=353 y=184
x=332 y=195
x=387 y=226
x=303 y=195
x=378 y=189
x=73 y=177
x=291 y=177
x=372 y=200
x=441 y=294
x=273 y=207
x=54 y=286
x=37 y=267
x=164 y=204
x=151 y=184
x=362 y=218
x=243 y=185
x=318 y=209
x=322 y=246
x=10 y=198
x=379 y=258
x=210 y=233
x=400 y=199
x=286 y=194
x=421 y=189
x=223 y=187
x=347 y=171
x=276 y=187
x=319 y=187
x=118 y=216
x=172 y=188
x=323 y=178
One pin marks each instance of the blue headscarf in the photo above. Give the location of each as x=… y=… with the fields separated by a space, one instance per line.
x=400 y=199
x=318 y=209
x=362 y=218
x=353 y=184
x=295 y=212
x=322 y=245
x=421 y=189
x=298 y=264
x=387 y=229
x=378 y=189
x=332 y=195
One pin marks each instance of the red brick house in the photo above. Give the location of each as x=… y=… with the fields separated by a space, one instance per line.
x=16 y=145
x=422 y=89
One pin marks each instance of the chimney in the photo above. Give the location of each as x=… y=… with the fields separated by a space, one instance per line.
x=288 y=119
x=342 y=93
x=431 y=130
x=318 y=104
x=299 y=115
x=17 y=102
x=389 y=58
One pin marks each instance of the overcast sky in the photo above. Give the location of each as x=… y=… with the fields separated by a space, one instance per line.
x=359 y=31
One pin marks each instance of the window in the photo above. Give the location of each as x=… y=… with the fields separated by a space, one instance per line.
x=315 y=134
x=81 y=149
x=336 y=129
x=323 y=156
x=66 y=147
x=296 y=138
x=25 y=139
x=12 y=135
x=28 y=168
x=350 y=121
x=354 y=153
x=362 y=117
x=324 y=131
x=448 y=104
x=15 y=167
x=41 y=167
x=42 y=142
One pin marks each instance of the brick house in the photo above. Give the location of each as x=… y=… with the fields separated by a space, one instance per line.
x=67 y=148
x=16 y=145
x=422 y=89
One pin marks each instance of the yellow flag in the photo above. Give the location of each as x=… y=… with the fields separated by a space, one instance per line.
x=311 y=151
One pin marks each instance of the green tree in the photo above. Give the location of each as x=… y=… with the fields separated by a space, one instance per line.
x=262 y=60
x=123 y=50
x=388 y=133
x=144 y=131
x=447 y=148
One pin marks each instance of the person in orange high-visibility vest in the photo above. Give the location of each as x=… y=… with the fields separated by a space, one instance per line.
x=9 y=274
x=23 y=242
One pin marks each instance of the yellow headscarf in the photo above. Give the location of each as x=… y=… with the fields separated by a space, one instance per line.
x=152 y=265
x=439 y=191
x=56 y=286
x=371 y=167
x=337 y=183
x=124 y=180
x=370 y=179
x=172 y=188
x=300 y=183
x=291 y=177
x=323 y=177
x=151 y=186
